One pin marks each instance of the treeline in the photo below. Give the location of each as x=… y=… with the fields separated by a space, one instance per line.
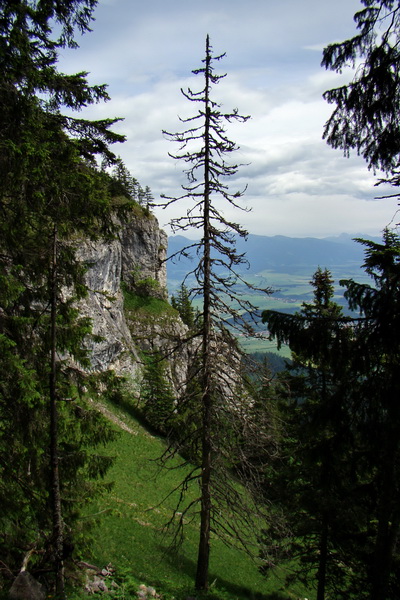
x=274 y=362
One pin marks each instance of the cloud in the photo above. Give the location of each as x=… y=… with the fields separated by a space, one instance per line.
x=297 y=185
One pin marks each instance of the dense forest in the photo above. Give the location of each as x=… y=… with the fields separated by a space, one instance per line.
x=294 y=464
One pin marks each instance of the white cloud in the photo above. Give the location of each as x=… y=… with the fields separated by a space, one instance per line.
x=297 y=185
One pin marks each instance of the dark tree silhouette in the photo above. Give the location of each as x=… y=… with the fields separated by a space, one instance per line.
x=311 y=478
x=366 y=116
x=376 y=358
x=343 y=432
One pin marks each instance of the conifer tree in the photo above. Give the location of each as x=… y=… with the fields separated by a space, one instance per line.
x=376 y=359
x=183 y=305
x=345 y=430
x=203 y=146
x=51 y=192
x=366 y=113
x=122 y=181
x=314 y=472
x=366 y=118
x=156 y=393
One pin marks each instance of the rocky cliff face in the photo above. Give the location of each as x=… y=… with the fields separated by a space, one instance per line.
x=143 y=252
x=104 y=305
x=136 y=258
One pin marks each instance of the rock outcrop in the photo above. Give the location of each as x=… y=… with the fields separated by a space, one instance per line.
x=104 y=306
x=144 y=250
x=25 y=587
x=136 y=260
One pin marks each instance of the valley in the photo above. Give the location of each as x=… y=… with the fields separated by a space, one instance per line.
x=284 y=265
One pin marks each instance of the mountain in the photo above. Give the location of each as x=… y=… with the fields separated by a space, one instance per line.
x=346 y=238
x=280 y=254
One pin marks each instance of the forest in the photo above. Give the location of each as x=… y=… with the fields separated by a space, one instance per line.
x=207 y=472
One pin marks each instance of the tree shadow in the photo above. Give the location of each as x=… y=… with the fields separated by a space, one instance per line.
x=219 y=587
x=131 y=410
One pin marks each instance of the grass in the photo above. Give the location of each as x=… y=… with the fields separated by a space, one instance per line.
x=147 y=304
x=130 y=531
x=250 y=345
x=129 y=534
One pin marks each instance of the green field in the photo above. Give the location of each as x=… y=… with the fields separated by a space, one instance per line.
x=288 y=292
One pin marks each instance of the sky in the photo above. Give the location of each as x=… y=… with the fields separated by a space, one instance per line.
x=297 y=185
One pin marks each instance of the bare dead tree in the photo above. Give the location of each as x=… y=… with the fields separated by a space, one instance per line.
x=204 y=145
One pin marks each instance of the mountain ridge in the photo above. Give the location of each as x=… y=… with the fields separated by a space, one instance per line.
x=279 y=253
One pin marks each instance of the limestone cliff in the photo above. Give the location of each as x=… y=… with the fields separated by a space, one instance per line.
x=144 y=249
x=136 y=259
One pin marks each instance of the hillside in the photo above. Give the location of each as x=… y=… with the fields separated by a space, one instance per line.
x=129 y=533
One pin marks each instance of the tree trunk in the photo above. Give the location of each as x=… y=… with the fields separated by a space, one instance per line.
x=206 y=466
x=387 y=534
x=323 y=558
x=205 y=514
x=58 y=534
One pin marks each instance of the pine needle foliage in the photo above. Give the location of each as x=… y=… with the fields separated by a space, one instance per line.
x=313 y=470
x=377 y=359
x=51 y=194
x=366 y=113
x=340 y=476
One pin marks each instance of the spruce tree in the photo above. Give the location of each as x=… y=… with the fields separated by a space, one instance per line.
x=204 y=145
x=51 y=195
x=366 y=119
x=376 y=359
x=366 y=110
x=343 y=467
x=156 y=393
x=183 y=305
x=312 y=479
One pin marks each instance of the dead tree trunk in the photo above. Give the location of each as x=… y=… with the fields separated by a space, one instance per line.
x=205 y=513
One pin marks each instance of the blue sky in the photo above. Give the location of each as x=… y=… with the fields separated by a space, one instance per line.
x=297 y=185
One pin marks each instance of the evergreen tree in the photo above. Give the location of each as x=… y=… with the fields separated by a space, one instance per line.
x=366 y=116
x=376 y=358
x=183 y=305
x=156 y=394
x=51 y=192
x=148 y=196
x=204 y=146
x=123 y=183
x=343 y=467
x=313 y=479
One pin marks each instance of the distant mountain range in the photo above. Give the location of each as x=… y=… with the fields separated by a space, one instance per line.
x=280 y=254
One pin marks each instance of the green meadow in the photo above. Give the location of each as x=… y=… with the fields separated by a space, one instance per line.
x=130 y=530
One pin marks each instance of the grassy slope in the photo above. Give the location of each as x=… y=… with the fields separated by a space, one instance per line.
x=130 y=530
x=129 y=534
